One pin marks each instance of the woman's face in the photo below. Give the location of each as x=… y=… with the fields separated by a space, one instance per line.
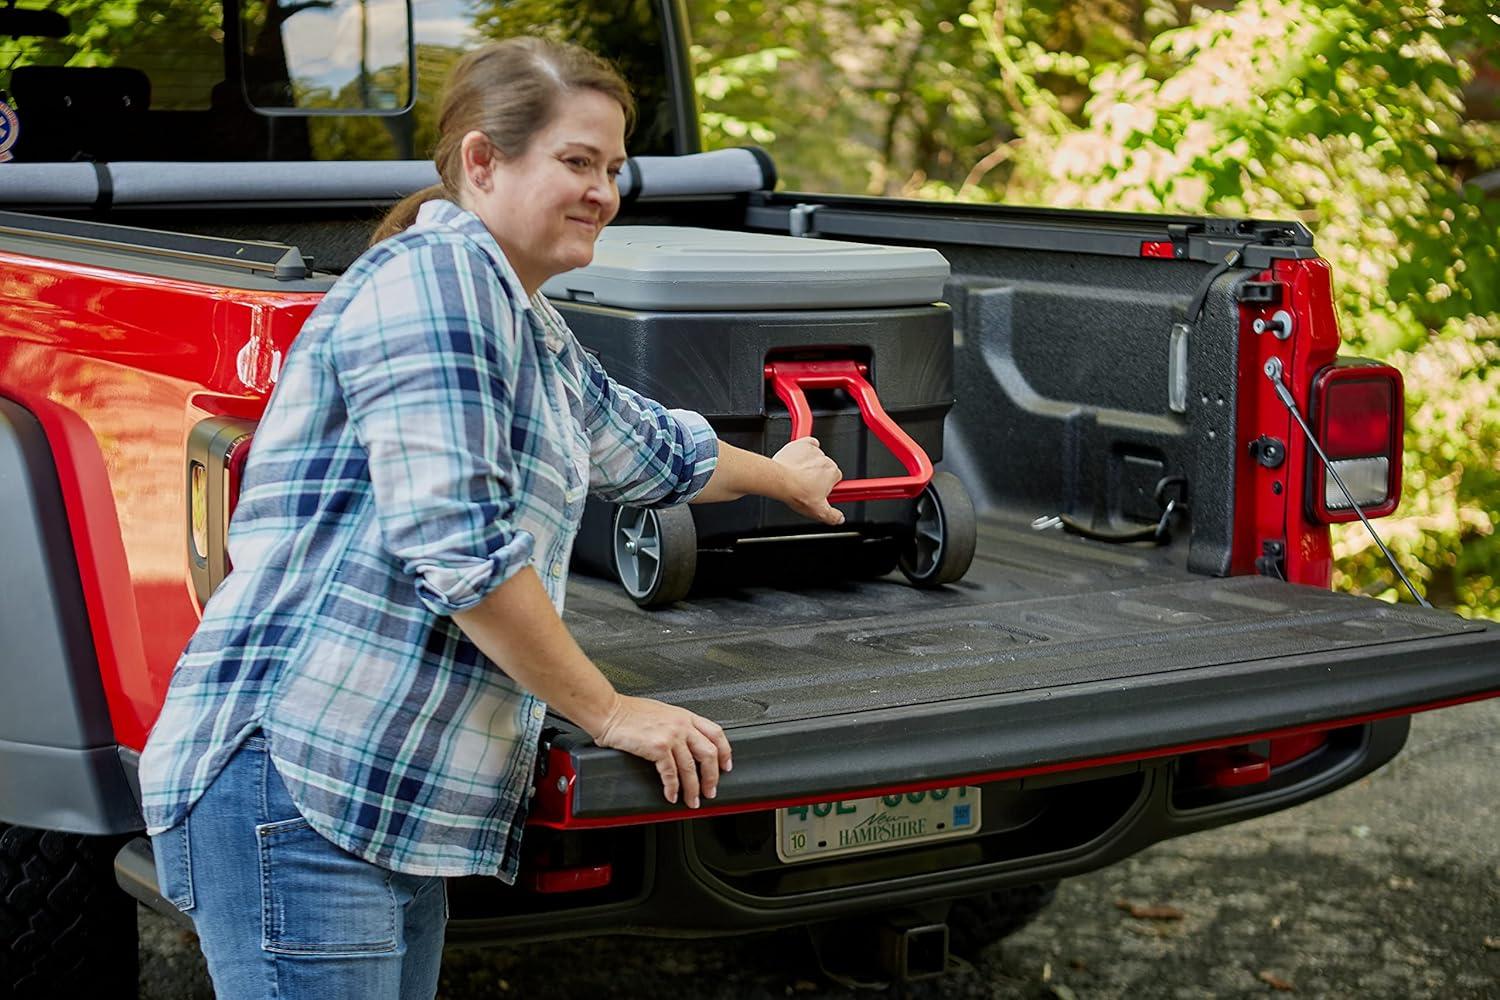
x=546 y=207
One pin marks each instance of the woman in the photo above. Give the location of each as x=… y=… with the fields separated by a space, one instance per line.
x=359 y=711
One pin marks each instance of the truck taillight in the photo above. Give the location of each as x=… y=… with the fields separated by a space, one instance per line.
x=1357 y=411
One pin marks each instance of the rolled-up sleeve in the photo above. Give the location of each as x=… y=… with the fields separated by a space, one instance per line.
x=425 y=357
x=642 y=453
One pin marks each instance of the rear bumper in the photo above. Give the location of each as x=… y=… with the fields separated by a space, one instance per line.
x=80 y=790
x=719 y=875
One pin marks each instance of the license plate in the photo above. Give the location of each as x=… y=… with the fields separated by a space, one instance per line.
x=853 y=826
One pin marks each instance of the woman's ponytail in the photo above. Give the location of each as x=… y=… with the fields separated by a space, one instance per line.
x=404 y=213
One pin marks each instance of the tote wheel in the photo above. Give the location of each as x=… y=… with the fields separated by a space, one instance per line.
x=656 y=553
x=942 y=544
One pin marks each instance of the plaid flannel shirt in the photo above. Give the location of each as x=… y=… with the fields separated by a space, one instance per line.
x=433 y=431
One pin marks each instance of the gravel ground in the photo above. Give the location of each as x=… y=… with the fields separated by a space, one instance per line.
x=1389 y=888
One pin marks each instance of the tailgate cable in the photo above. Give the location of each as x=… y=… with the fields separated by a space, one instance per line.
x=1160 y=532
x=1200 y=297
x=1273 y=370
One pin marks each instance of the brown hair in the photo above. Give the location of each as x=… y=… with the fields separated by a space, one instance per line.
x=510 y=91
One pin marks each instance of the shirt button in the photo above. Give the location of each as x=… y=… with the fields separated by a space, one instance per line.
x=538 y=712
x=557 y=569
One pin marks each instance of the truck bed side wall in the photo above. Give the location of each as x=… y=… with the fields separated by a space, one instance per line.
x=1062 y=379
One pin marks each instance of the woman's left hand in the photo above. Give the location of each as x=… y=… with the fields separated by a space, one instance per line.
x=809 y=475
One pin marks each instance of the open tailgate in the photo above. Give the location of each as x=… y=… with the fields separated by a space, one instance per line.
x=1054 y=653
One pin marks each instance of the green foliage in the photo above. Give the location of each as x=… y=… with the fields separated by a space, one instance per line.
x=1351 y=115
x=871 y=97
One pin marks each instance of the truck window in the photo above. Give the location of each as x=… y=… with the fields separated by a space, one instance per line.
x=326 y=56
x=168 y=79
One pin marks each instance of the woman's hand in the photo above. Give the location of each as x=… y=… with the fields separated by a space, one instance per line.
x=809 y=475
x=800 y=476
x=688 y=750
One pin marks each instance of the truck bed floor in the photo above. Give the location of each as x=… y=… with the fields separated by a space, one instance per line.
x=1038 y=610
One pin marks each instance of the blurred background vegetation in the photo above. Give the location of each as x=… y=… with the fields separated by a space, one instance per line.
x=1376 y=122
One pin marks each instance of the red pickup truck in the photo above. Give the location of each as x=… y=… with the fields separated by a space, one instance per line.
x=172 y=214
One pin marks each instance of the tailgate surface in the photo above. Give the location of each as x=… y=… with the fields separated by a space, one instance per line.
x=1052 y=649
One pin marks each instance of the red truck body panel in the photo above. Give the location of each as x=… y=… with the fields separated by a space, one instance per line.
x=1262 y=514
x=118 y=367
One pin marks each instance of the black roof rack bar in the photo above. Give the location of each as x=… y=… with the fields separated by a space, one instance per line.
x=276 y=260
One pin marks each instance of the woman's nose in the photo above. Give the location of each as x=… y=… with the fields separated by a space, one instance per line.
x=606 y=196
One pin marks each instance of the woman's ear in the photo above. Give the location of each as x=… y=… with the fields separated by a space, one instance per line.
x=478 y=156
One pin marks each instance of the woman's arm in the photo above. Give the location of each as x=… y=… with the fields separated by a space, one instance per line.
x=517 y=627
x=800 y=476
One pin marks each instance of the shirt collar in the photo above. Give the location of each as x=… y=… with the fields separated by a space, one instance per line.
x=442 y=214
x=554 y=327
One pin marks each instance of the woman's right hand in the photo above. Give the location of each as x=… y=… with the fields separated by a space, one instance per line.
x=809 y=475
x=688 y=750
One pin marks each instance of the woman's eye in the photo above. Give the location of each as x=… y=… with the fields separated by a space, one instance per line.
x=578 y=162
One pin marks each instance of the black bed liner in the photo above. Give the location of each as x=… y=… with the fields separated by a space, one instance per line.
x=1053 y=649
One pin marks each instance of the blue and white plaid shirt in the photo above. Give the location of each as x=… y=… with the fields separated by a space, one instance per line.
x=433 y=431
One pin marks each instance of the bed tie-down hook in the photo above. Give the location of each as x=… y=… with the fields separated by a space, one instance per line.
x=1170 y=495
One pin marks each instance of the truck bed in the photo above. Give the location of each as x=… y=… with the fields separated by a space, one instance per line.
x=1053 y=649
x=1054 y=653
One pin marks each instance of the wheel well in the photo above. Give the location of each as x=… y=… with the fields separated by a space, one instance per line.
x=59 y=761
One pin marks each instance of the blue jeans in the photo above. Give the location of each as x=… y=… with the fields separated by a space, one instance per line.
x=281 y=912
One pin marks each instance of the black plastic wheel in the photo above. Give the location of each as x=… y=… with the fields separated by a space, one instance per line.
x=655 y=553
x=66 y=928
x=942 y=543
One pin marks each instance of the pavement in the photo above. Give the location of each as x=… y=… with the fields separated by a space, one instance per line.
x=1387 y=888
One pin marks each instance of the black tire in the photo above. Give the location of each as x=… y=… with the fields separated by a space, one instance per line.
x=655 y=553
x=66 y=928
x=946 y=531
x=977 y=922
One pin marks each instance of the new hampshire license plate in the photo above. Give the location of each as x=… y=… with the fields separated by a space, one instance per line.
x=806 y=833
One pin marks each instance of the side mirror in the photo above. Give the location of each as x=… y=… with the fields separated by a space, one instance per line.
x=312 y=57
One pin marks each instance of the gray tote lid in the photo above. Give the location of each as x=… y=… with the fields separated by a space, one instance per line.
x=677 y=268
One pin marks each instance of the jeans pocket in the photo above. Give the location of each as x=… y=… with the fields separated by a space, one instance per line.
x=174 y=866
x=318 y=899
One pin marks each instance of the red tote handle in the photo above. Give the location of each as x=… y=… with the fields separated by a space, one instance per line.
x=791 y=378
